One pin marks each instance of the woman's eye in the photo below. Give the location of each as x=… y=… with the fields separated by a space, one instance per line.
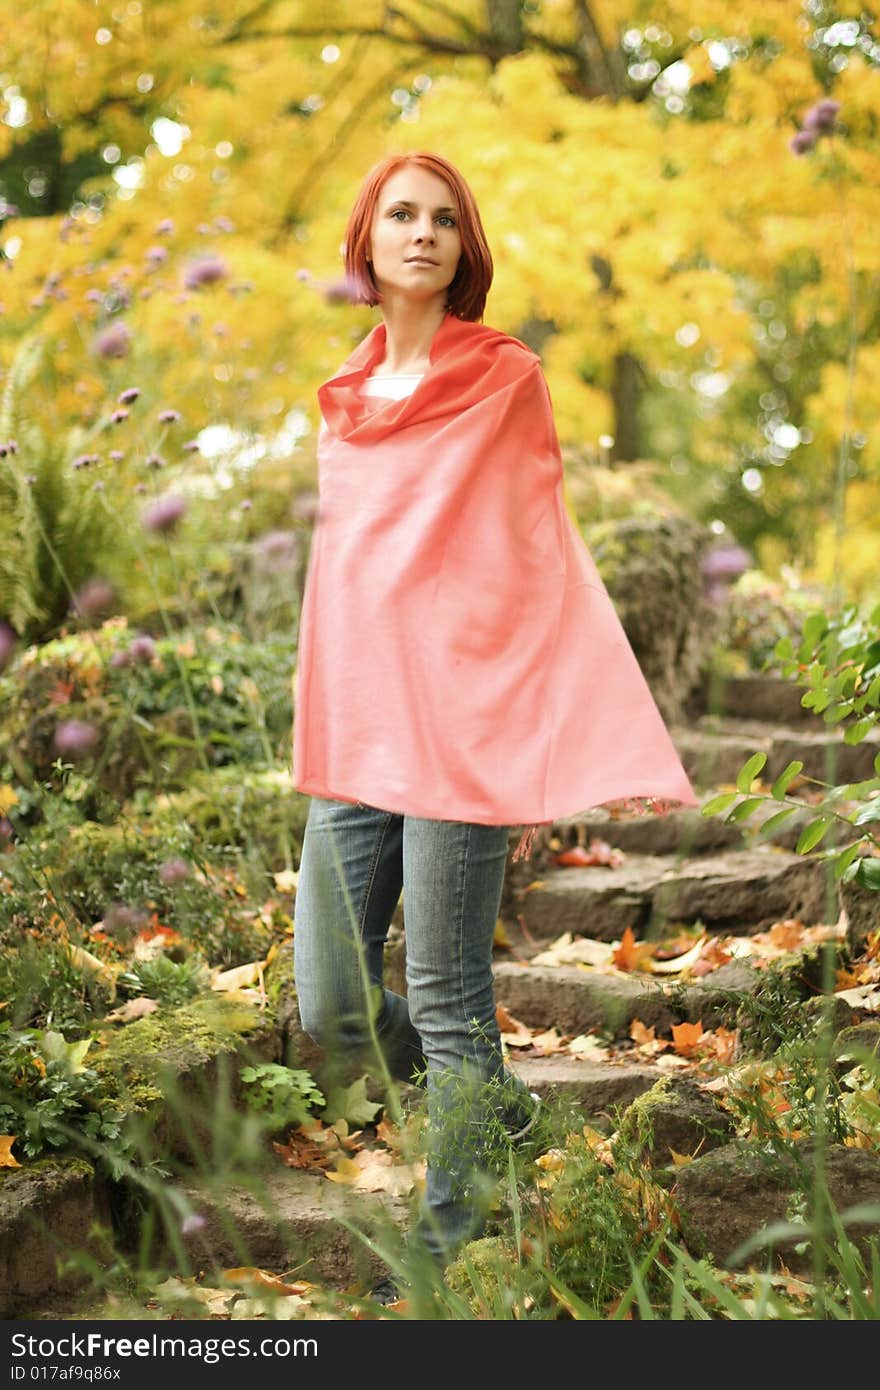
x=444 y=217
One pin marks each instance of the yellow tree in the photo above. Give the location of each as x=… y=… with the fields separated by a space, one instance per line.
x=701 y=294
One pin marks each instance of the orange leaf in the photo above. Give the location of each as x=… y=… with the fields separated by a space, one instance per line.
x=685 y=1037
x=640 y=1032
x=626 y=955
x=7 y=1158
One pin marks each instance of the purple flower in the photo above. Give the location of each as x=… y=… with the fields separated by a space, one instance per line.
x=245 y=504
x=801 y=142
x=6 y=829
x=118 y=416
x=167 y=417
x=95 y=597
x=130 y=394
x=347 y=290
x=116 y=455
x=85 y=460
x=142 y=648
x=191 y=446
x=74 y=736
x=155 y=461
x=121 y=920
x=725 y=562
x=156 y=254
x=173 y=870
x=276 y=543
x=8 y=640
x=204 y=229
x=95 y=296
x=115 y=341
x=165 y=227
x=304 y=275
x=12 y=446
x=207 y=270
x=306 y=506
x=192 y=1223
x=822 y=117
x=8 y=209
x=120 y=658
x=224 y=224
x=164 y=514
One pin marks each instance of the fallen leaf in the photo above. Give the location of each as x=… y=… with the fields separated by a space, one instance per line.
x=239 y=977
x=500 y=937
x=375 y=1170
x=588 y=1046
x=286 y=880
x=647 y=1044
x=132 y=1009
x=863 y=997
x=7 y=1157
x=249 y=1274
x=598 y=852
x=582 y=951
x=626 y=955
x=679 y=963
x=680 y=1160
x=547 y=1042
x=685 y=1037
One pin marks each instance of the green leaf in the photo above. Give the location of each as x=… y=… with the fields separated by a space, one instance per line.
x=718 y=803
x=812 y=833
x=745 y=808
x=778 y=818
x=846 y=859
x=55 y=1049
x=856 y=732
x=868 y=813
x=350 y=1103
x=869 y=873
x=749 y=772
x=780 y=786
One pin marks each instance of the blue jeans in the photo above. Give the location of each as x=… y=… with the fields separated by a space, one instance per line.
x=355 y=861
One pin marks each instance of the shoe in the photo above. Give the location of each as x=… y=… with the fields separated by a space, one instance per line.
x=385 y=1292
x=514 y=1136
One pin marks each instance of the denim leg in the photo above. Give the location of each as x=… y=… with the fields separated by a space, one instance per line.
x=350 y=878
x=453 y=878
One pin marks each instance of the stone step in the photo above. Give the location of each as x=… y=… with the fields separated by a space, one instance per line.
x=738 y=891
x=769 y=698
x=682 y=831
x=575 y=1000
x=282 y=1219
x=598 y=1087
x=713 y=749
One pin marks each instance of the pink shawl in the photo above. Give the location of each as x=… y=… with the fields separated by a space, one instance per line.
x=459 y=656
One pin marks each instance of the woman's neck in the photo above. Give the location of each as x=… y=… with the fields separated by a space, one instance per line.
x=409 y=332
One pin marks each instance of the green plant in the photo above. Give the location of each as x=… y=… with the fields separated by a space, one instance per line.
x=284 y=1095
x=837 y=661
x=167 y=981
x=46 y=1090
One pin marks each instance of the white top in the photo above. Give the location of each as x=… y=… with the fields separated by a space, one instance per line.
x=396 y=386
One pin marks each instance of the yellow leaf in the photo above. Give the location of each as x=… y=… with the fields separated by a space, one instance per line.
x=239 y=977
x=681 y=1160
x=7 y=1158
x=346 y=1171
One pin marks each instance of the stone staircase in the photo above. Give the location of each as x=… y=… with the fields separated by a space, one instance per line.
x=678 y=870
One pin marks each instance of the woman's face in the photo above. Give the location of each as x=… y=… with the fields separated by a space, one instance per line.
x=415 y=216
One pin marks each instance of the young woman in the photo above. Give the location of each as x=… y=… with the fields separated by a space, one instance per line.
x=461 y=671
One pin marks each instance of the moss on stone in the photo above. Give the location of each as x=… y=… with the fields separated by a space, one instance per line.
x=185 y=1039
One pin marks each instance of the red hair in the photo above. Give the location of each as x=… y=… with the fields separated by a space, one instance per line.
x=466 y=295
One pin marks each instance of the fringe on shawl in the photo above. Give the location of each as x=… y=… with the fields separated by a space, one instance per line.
x=655 y=805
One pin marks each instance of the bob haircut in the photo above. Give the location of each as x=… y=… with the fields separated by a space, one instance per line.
x=466 y=294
